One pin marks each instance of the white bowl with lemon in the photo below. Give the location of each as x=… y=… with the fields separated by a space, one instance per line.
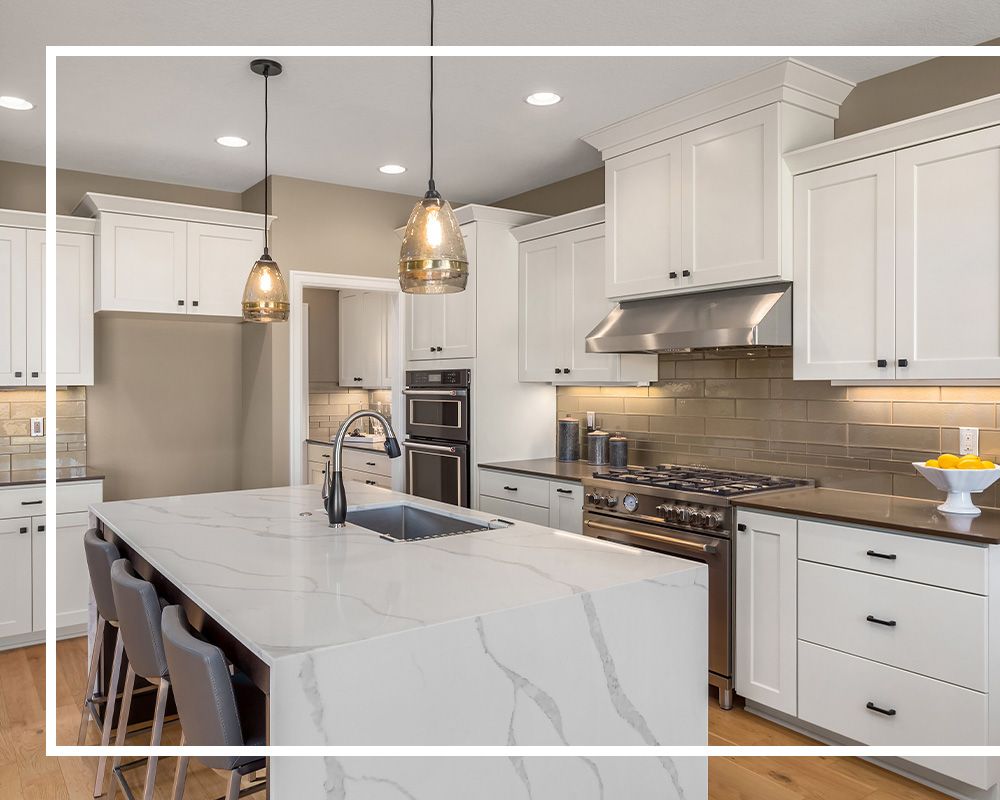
x=960 y=477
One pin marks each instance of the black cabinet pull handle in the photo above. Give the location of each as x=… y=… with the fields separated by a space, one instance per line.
x=741 y=527
x=882 y=363
x=23 y=530
x=886 y=556
x=32 y=502
x=889 y=623
x=673 y=274
x=686 y=273
x=889 y=712
x=510 y=488
x=369 y=463
x=903 y=363
x=565 y=491
x=41 y=529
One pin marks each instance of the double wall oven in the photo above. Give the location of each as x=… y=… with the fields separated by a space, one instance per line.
x=438 y=434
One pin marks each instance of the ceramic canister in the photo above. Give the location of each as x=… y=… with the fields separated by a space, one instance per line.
x=597 y=447
x=618 y=447
x=568 y=439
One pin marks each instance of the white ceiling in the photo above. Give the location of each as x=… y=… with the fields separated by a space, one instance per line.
x=338 y=119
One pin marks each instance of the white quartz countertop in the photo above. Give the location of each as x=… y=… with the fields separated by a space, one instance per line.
x=267 y=567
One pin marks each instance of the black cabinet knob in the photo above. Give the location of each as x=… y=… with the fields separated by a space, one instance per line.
x=566 y=370
x=34 y=374
x=673 y=274
x=882 y=363
x=686 y=273
x=902 y=363
x=23 y=530
x=194 y=302
x=41 y=529
x=180 y=302
x=17 y=374
x=741 y=527
x=558 y=371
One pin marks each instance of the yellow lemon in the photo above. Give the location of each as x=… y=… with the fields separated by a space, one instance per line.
x=931 y=462
x=967 y=465
x=947 y=461
x=968 y=457
x=988 y=465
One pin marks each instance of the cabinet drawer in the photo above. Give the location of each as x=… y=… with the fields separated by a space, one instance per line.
x=835 y=690
x=519 y=488
x=367 y=461
x=29 y=501
x=947 y=564
x=937 y=632
x=367 y=478
x=319 y=453
x=508 y=509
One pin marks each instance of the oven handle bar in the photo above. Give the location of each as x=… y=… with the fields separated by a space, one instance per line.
x=423 y=446
x=656 y=537
x=437 y=392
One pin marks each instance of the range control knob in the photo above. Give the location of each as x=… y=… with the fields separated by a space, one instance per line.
x=592 y=498
x=665 y=511
x=683 y=513
x=610 y=501
x=715 y=520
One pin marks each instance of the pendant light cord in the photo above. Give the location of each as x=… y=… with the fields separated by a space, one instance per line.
x=431 y=191
x=267 y=204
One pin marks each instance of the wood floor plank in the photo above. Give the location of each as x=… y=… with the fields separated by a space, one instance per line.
x=730 y=780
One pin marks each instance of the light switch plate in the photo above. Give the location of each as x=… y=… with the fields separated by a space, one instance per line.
x=968 y=441
x=38 y=426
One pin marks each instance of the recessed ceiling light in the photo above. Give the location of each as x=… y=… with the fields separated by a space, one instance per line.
x=542 y=99
x=15 y=103
x=232 y=141
x=392 y=169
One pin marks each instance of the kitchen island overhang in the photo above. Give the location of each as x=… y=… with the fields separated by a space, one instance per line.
x=520 y=635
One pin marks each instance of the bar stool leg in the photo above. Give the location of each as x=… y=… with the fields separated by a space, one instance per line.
x=233 y=787
x=109 y=712
x=180 y=776
x=161 y=709
x=95 y=659
x=122 y=726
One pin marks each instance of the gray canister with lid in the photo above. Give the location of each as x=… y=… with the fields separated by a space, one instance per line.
x=568 y=439
x=597 y=447
x=618 y=447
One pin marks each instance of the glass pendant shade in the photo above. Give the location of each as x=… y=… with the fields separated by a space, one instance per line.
x=265 y=298
x=432 y=259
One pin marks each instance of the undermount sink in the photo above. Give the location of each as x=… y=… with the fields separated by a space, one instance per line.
x=405 y=523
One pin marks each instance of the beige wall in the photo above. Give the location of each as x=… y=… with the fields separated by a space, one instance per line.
x=22 y=187
x=745 y=412
x=164 y=414
x=324 y=335
x=561 y=197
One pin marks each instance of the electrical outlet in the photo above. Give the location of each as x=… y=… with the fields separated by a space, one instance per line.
x=968 y=441
x=38 y=426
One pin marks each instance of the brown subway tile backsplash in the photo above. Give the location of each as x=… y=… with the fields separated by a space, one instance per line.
x=18 y=450
x=747 y=413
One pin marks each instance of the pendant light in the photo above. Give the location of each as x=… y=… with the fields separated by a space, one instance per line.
x=432 y=259
x=265 y=298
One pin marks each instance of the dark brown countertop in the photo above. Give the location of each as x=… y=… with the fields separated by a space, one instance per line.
x=879 y=511
x=347 y=443
x=547 y=468
x=29 y=477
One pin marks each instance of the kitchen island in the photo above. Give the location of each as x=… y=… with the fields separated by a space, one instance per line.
x=521 y=635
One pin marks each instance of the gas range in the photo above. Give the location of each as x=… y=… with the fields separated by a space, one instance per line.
x=694 y=498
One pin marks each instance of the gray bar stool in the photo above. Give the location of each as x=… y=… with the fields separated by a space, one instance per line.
x=139 y=612
x=100 y=556
x=216 y=708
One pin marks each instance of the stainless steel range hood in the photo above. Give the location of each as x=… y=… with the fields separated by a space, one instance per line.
x=745 y=317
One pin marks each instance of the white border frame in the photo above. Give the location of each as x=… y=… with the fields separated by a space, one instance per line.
x=54 y=52
x=298 y=397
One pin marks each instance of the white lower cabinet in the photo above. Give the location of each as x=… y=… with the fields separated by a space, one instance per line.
x=888 y=634
x=540 y=501
x=22 y=559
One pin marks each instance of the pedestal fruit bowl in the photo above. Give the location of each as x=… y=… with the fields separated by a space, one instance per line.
x=959 y=483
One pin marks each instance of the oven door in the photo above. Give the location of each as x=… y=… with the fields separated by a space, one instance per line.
x=438 y=471
x=713 y=551
x=438 y=414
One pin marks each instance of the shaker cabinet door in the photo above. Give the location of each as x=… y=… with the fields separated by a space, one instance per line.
x=13 y=308
x=15 y=576
x=844 y=295
x=539 y=345
x=219 y=259
x=143 y=264
x=948 y=258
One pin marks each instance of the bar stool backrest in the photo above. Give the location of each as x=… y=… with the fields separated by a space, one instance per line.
x=139 y=611
x=203 y=690
x=100 y=556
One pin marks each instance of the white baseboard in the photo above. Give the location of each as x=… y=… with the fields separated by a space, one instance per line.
x=38 y=637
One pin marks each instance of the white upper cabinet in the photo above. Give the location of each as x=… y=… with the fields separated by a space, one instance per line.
x=732 y=204
x=644 y=195
x=948 y=258
x=13 y=308
x=143 y=264
x=219 y=259
x=843 y=250
x=362 y=340
x=561 y=285
x=168 y=258
x=897 y=255
x=444 y=325
x=22 y=301
x=697 y=194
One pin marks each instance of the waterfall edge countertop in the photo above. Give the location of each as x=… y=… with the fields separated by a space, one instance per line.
x=552 y=468
x=32 y=477
x=904 y=514
x=517 y=635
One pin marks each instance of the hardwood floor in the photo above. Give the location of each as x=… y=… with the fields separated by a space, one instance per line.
x=26 y=774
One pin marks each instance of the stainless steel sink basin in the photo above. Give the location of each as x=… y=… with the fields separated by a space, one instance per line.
x=403 y=523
